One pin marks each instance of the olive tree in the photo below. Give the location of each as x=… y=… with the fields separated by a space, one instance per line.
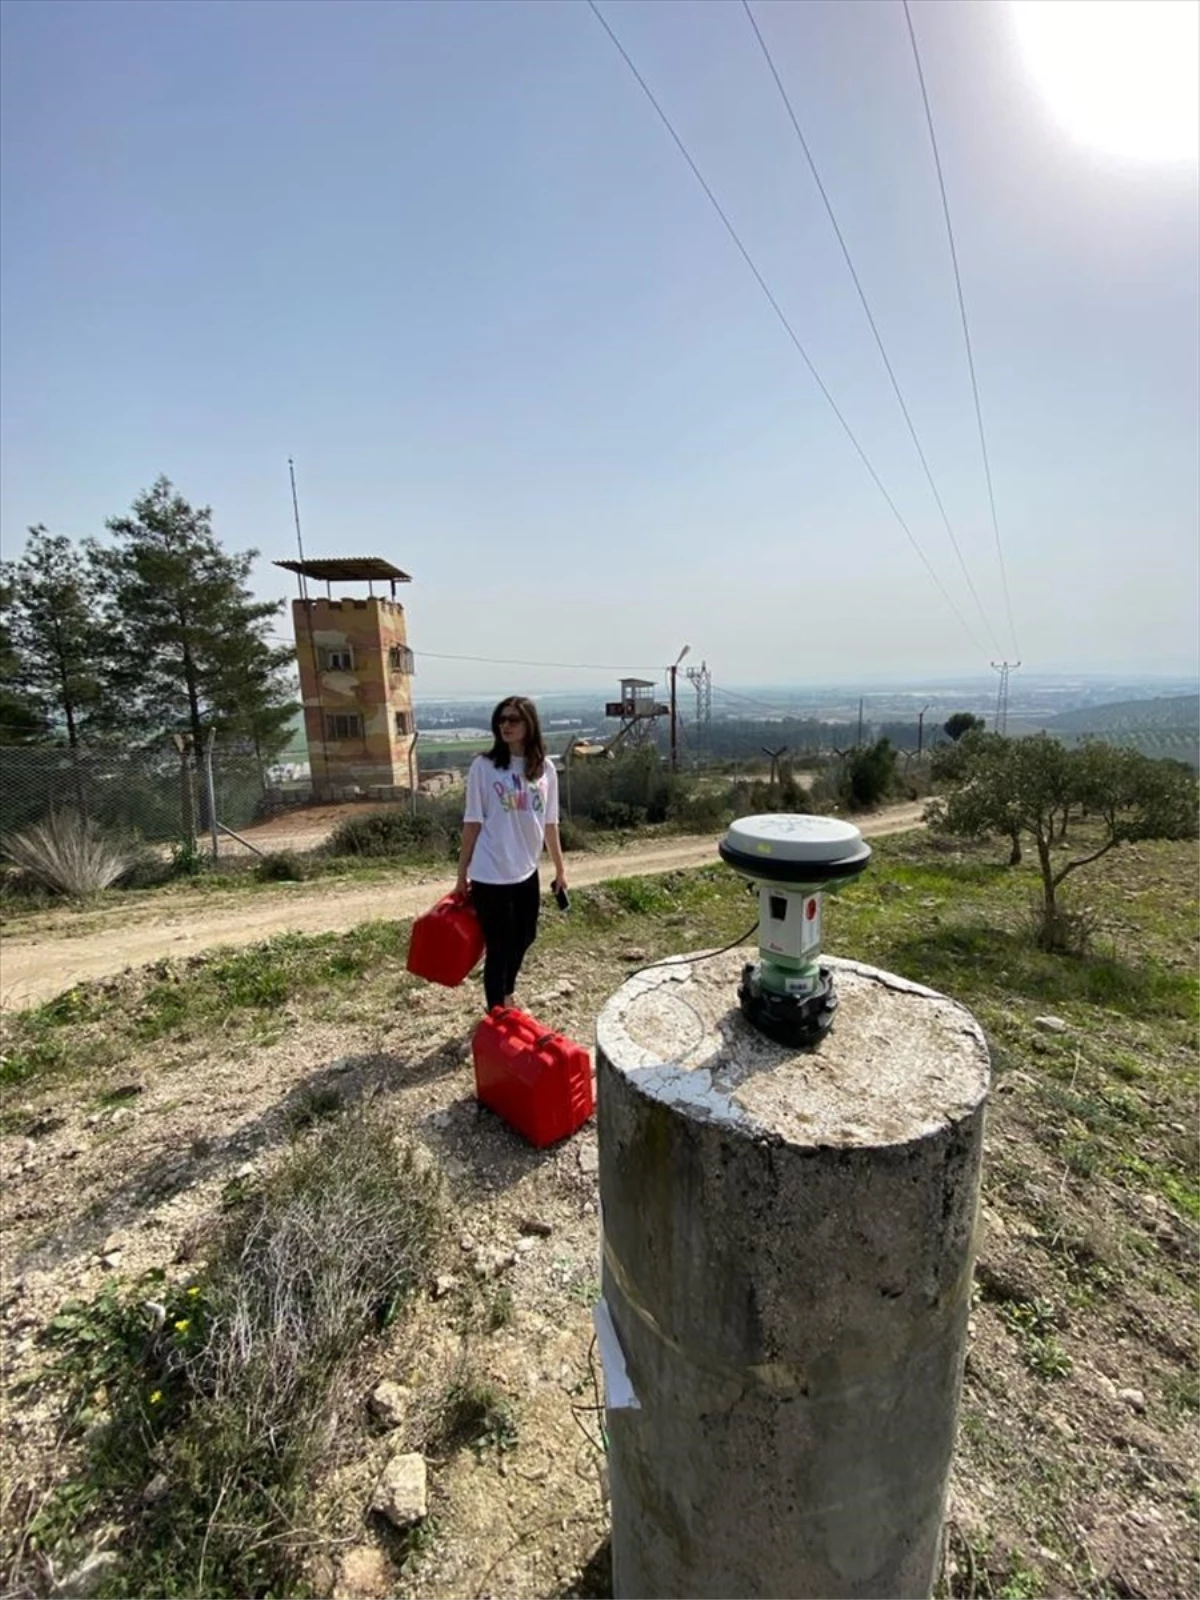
x=1025 y=786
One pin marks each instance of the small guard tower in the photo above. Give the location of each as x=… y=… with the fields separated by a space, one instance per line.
x=355 y=680
x=638 y=711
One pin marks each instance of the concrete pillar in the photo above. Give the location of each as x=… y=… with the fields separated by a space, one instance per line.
x=787 y=1265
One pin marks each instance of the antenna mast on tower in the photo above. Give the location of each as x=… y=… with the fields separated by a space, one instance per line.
x=296 y=516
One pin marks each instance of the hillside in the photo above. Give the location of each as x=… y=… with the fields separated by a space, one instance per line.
x=146 y=1111
x=1167 y=727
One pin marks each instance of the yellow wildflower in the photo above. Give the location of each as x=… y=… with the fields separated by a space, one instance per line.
x=156 y=1397
x=183 y=1325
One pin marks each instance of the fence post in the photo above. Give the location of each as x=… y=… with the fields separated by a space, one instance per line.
x=187 y=814
x=412 y=773
x=210 y=790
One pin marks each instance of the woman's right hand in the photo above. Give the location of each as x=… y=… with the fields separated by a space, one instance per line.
x=463 y=887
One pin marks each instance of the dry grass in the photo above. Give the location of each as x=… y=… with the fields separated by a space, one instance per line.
x=69 y=855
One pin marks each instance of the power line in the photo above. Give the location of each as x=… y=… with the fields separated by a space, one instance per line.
x=786 y=325
x=821 y=190
x=962 y=308
x=762 y=705
x=508 y=661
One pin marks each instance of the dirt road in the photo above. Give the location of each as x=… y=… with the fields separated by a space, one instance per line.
x=60 y=954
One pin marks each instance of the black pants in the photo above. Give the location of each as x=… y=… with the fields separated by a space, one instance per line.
x=508 y=915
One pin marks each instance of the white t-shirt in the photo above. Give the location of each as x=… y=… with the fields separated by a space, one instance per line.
x=513 y=815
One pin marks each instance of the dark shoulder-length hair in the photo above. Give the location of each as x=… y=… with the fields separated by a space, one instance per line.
x=535 y=745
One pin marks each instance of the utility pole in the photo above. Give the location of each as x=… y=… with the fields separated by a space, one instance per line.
x=568 y=763
x=673 y=673
x=921 y=731
x=858 y=741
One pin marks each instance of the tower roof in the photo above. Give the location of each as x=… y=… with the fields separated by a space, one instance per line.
x=346 y=569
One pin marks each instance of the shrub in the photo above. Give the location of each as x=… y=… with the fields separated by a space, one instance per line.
x=388 y=833
x=755 y=798
x=574 y=835
x=474 y=1412
x=868 y=775
x=188 y=860
x=617 y=814
x=702 y=813
x=69 y=855
x=221 y=1388
x=282 y=866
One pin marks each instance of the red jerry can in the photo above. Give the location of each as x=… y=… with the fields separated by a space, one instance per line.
x=538 y=1081
x=446 y=942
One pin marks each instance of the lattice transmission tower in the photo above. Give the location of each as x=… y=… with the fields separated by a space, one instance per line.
x=1003 y=668
x=700 y=679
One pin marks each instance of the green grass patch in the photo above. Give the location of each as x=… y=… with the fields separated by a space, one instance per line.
x=94 y=1024
x=474 y=1414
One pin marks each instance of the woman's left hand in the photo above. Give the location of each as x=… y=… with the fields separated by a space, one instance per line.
x=560 y=879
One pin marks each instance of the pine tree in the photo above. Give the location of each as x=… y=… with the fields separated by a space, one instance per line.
x=190 y=643
x=22 y=720
x=55 y=637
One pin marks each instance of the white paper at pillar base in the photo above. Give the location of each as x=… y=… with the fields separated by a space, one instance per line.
x=618 y=1391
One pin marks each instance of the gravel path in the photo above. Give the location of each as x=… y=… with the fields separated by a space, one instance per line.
x=37 y=966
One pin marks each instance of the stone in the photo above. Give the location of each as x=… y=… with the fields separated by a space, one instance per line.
x=156 y=1489
x=1135 y=1399
x=589 y=1158
x=246 y=1170
x=1059 y=1424
x=389 y=1402
x=401 y=1495
x=1050 y=1024
x=444 y=1284
x=524 y=1246
x=633 y=954
x=535 y=1225
x=364 y=1573
x=89 y=1577
x=111 y=1259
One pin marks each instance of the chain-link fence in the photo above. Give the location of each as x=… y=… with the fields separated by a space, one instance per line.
x=157 y=792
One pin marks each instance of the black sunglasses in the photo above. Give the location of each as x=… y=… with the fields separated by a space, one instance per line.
x=510 y=716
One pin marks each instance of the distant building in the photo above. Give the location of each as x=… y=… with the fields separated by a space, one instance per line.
x=355 y=680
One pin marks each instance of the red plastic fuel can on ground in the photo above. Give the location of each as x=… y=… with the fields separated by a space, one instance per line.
x=446 y=942
x=538 y=1081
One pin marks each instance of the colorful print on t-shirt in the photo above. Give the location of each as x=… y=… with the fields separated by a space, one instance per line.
x=517 y=796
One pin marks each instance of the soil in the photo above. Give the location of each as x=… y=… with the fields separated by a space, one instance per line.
x=128 y=1170
x=51 y=954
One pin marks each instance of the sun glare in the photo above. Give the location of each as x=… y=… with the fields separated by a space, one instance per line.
x=1120 y=75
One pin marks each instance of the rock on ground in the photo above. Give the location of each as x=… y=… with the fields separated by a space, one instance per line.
x=389 y=1403
x=402 y=1492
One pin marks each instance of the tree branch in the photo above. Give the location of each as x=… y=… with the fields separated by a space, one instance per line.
x=1084 y=860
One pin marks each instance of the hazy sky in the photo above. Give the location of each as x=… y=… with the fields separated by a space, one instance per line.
x=447 y=257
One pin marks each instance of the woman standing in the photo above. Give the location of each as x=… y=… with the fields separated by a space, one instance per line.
x=511 y=812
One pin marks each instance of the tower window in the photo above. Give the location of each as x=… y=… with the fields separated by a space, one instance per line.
x=344 y=725
x=339 y=660
x=400 y=658
x=404 y=724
